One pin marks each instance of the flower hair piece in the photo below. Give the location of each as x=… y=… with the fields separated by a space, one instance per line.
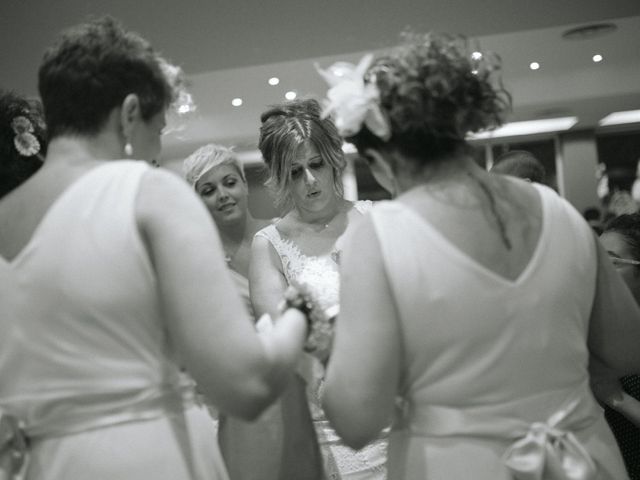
x=25 y=141
x=352 y=102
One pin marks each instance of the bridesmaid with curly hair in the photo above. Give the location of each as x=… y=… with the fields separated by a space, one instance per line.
x=472 y=332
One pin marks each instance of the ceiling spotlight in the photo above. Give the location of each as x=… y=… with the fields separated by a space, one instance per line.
x=534 y=65
x=274 y=81
x=290 y=95
x=236 y=102
x=476 y=55
x=597 y=58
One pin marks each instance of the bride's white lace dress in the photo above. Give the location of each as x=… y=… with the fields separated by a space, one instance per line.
x=320 y=274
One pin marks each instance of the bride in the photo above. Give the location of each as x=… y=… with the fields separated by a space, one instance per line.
x=305 y=159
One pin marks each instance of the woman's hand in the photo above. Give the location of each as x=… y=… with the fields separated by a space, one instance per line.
x=608 y=390
x=627 y=406
x=320 y=322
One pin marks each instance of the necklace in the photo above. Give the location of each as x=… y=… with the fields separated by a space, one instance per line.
x=320 y=226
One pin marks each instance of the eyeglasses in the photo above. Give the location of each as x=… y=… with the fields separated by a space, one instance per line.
x=621 y=262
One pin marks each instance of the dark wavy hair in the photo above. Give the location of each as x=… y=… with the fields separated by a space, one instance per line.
x=285 y=129
x=434 y=93
x=521 y=164
x=627 y=225
x=15 y=168
x=89 y=72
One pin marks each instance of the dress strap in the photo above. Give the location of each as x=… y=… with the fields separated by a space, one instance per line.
x=270 y=232
x=363 y=206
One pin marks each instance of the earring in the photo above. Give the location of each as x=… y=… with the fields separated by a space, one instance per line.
x=128 y=149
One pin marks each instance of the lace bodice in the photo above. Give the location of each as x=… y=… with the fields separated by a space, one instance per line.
x=319 y=273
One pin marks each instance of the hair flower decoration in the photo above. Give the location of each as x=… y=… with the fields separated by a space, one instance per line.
x=352 y=102
x=25 y=141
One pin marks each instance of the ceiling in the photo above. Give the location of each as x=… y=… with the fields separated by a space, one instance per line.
x=230 y=48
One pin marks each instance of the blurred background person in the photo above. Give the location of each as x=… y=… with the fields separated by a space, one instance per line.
x=521 y=164
x=305 y=159
x=471 y=290
x=23 y=139
x=616 y=192
x=251 y=450
x=107 y=289
x=621 y=239
x=593 y=216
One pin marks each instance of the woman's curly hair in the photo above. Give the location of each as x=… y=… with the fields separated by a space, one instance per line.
x=15 y=167
x=434 y=93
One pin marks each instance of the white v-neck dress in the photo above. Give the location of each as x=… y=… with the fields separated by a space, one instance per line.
x=84 y=358
x=489 y=361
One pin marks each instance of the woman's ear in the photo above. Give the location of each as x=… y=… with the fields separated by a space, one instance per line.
x=129 y=114
x=381 y=170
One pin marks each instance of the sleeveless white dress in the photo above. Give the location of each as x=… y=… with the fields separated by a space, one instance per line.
x=85 y=363
x=321 y=275
x=495 y=381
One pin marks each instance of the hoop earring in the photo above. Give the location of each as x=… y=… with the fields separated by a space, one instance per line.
x=128 y=149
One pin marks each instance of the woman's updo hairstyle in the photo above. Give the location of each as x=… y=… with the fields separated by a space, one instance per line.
x=285 y=129
x=434 y=91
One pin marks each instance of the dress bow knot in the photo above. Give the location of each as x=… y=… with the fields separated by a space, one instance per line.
x=548 y=452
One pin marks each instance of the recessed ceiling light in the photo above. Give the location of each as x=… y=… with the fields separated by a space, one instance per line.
x=274 y=81
x=236 y=102
x=515 y=129
x=476 y=55
x=290 y=95
x=618 y=118
x=534 y=65
x=597 y=58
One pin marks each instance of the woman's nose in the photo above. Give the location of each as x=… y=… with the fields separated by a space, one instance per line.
x=222 y=193
x=309 y=178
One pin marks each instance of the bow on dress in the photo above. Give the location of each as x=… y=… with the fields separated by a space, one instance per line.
x=13 y=447
x=550 y=453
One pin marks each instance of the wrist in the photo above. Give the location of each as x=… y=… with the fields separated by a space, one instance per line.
x=294 y=300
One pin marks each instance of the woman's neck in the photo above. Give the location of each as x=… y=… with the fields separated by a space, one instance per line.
x=322 y=217
x=78 y=150
x=445 y=171
x=233 y=234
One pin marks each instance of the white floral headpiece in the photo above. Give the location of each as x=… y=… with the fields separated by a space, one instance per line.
x=352 y=102
x=25 y=141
